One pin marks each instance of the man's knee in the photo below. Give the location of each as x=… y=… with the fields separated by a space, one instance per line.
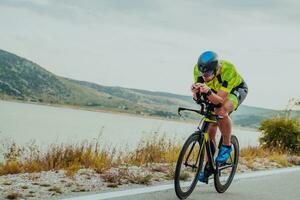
x=226 y=108
x=212 y=127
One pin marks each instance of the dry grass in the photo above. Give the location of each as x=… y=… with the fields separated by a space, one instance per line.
x=79 y=189
x=141 y=179
x=250 y=153
x=115 y=177
x=24 y=187
x=112 y=185
x=72 y=170
x=154 y=149
x=55 y=189
x=11 y=167
x=14 y=195
x=69 y=184
x=29 y=195
x=281 y=159
x=7 y=183
x=184 y=176
x=44 y=185
x=112 y=177
x=171 y=172
x=70 y=157
x=91 y=154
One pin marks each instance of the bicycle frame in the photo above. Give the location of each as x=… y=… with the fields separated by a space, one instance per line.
x=206 y=140
x=203 y=133
x=192 y=154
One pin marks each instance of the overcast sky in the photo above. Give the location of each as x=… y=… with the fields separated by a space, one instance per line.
x=154 y=44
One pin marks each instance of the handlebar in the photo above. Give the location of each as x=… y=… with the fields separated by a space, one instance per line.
x=206 y=107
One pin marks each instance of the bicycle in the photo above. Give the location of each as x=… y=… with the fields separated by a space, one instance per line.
x=189 y=165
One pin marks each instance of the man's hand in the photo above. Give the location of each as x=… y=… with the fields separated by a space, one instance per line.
x=195 y=88
x=199 y=87
x=204 y=88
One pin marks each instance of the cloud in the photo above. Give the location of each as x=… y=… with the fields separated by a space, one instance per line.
x=154 y=44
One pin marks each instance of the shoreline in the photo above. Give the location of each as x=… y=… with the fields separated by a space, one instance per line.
x=189 y=121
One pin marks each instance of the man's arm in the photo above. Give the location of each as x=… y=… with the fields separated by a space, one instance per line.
x=218 y=98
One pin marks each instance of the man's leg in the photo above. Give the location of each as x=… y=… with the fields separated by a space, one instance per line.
x=212 y=130
x=225 y=128
x=225 y=123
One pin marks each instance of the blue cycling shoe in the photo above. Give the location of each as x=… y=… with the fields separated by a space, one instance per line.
x=224 y=154
x=203 y=176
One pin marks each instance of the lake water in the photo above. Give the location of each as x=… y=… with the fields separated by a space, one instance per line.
x=46 y=124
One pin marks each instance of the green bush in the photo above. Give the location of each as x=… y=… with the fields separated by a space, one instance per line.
x=281 y=134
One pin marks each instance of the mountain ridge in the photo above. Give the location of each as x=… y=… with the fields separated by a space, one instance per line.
x=25 y=80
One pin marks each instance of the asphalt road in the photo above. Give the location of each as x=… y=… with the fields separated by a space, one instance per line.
x=272 y=187
x=261 y=185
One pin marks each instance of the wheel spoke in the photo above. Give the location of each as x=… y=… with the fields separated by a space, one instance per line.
x=188 y=165
x=189 y=154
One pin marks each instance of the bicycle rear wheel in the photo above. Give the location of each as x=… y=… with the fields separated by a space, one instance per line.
x=189 y=164
x=224 y=173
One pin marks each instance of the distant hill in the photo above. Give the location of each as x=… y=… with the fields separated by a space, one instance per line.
x=24 y=80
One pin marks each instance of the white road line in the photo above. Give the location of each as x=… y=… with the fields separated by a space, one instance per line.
x=109 y=195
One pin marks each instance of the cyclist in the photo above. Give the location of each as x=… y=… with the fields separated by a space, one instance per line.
x=225 y=88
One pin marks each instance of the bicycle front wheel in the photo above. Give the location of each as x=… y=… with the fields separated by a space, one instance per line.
x=189 y=164
x=224 y=173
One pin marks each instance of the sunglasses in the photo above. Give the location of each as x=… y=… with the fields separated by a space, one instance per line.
x=208 y=74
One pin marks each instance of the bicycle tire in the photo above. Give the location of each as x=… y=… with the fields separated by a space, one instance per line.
x=217 y=182
x=194 y=138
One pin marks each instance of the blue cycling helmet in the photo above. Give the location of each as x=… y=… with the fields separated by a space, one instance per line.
x=208 y=62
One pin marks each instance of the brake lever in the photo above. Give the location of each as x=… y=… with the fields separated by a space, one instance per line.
x=179 y=110
x=193 y=110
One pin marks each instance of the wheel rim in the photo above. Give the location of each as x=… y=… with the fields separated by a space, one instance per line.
x=226 y=170
x=189 y=167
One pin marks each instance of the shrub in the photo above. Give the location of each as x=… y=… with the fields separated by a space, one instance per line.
x=281 y=134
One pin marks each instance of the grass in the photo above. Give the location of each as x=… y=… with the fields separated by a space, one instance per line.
x=93 y=155
x=7 y=183
x=281 y=159
x=79 y=189
x=11 y=167
x=72 y=170
x=70 y=157
x=112 y=185
x=154 y=149
x=44 y=185
x=141 y=179
x=24 y=187
x=55 y=189
x=251 y=153
x=14 y=195
x=171 y=172
x=113 y=177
